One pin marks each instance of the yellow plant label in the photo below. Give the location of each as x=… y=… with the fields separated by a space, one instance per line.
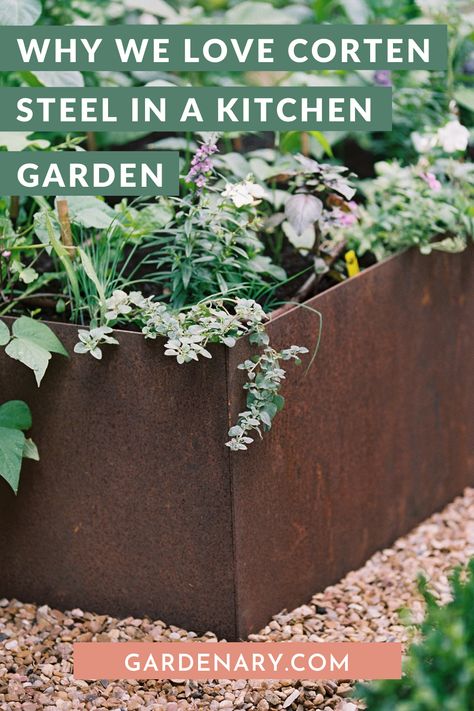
x=352 y=263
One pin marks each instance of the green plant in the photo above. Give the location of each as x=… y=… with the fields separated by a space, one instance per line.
x=31 y=343
x=188 y=332
x=265 y=376
x=439 y=670
x=15 y=419
x=211 y=247
x=428 y=206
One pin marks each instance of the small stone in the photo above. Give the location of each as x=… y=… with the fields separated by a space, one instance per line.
x=47 y=669
x=272 y=698
x=289 y=699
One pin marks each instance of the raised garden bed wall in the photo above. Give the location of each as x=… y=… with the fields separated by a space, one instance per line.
x=137 y=507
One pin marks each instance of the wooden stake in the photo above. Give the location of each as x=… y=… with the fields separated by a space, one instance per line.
x=305 y=146
x=14 y=208
x=65 y=224
x=91 y=141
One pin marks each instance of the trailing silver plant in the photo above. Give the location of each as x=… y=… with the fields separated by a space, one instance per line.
x=188 y=333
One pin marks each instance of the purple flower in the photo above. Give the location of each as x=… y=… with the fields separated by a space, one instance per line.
x=201 y=165
x=383 y=77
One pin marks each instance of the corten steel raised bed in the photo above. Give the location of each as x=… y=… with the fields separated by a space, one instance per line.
x=137 y=507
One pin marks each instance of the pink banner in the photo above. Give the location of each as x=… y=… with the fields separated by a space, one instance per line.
x=238 y=660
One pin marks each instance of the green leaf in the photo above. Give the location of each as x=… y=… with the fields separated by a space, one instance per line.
x=186 y=274
x=63 y=256
x=18 y=140
x=15 y=415
x=89 y=211
x=357 y=11
x=465 y=97
x=279 y=402
x=4 y=334
x=254 y=13
x=38 y=333
x=236 y=163
x=30 y=79
x=266 y=419
x=12 y=443
x=223 y=286
x=30 y=450
x=92 y=274
x=160 y=8
x=19 y=12
x=323 y=141
x=41 y=228
x=31 y=355
x=28 y=275
x=59 y=79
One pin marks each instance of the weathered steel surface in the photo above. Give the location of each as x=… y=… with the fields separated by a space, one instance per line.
x=128 y=511
x=376 y=437
x=138 y=508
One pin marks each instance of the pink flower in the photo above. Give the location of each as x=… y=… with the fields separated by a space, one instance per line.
x=6 y=254
x=201 y=165
x=432 y=181
x=346 y=219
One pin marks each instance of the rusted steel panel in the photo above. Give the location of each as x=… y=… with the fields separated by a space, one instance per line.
x=128 y=511
x=138 y=508
x=377 y=436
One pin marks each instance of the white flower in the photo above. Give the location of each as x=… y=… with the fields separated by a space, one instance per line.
x=423 y=142
x=90 y=341
x=244 y=193
x=117 y=305
x=249 y=311
x=453 y=137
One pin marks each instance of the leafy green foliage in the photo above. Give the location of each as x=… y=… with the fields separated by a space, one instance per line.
x=15 y=419
x=439 y=671
x=265 y=377
x=210 y=248
x=431 y=208
x=32 y=343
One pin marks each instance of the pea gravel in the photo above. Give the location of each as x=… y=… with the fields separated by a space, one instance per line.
x=36 y=642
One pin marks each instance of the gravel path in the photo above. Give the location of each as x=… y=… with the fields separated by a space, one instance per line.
x=36 y=642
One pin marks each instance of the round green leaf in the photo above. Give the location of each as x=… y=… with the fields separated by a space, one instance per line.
x=15 y=415
x=19 y=12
